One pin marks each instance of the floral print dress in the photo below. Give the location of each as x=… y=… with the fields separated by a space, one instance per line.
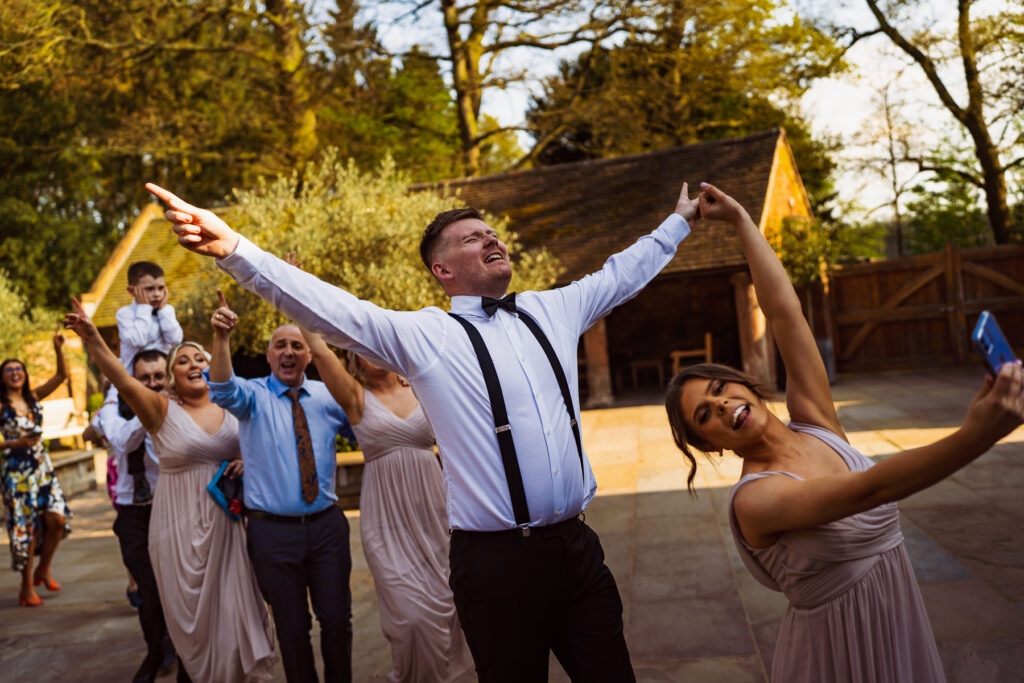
x=29 y=486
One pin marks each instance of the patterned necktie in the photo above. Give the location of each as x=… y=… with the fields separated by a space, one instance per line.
x=304 y=445
x=491 y=305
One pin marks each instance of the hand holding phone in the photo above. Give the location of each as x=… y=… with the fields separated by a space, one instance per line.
x=991 y=344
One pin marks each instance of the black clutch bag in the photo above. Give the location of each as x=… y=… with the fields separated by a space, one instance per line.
x=227 y=492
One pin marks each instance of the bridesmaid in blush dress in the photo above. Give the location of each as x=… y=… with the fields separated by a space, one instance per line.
x=214 y=612
x=403 y=519
x=812 y=517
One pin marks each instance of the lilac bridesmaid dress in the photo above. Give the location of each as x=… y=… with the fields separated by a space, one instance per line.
x=855 y=612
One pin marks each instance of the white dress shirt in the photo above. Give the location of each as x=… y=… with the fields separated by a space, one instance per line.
x=434 y=353
x=140 y=329
x=124 y=437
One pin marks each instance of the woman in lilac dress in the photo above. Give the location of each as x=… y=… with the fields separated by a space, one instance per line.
x=811 y=516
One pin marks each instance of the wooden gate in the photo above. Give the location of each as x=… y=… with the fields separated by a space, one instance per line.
x=919 y=311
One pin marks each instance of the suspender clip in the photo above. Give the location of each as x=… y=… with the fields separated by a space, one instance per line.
x=502 y=428
x=525 y=528
x=572 y=421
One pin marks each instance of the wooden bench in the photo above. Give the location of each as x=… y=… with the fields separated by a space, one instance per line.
x=678 y=356
x=62 y=420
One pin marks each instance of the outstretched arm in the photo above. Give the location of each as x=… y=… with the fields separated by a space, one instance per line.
x=775 y=504
x=149 y=406
x=395 y=340
x=48 y=387
x=583 y=302
x=808 y=396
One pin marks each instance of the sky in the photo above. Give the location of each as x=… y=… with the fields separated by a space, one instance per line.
x=843 y=106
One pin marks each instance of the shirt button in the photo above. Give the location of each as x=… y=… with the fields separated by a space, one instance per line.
x=556 y=472
x=548 y=432
x=558 y=512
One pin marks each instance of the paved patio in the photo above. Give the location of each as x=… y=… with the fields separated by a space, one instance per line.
x=692 y=611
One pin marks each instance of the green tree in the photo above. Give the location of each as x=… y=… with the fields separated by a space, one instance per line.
x=986 y=50
x=950 y=216
x=19 y=321
x=358 y=230
x=704 y=71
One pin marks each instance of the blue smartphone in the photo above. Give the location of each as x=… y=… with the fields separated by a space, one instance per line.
x=991 y=344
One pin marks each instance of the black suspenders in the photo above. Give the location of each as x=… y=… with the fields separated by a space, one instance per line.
x=501 y=426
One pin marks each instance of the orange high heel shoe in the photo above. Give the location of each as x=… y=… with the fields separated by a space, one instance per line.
x=30 y=602
x=47 y=581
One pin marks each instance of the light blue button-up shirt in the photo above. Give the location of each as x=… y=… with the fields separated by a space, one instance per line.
x=266 y=435
x=434 y=353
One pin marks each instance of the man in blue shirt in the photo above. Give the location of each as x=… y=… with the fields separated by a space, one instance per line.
x=298 y=539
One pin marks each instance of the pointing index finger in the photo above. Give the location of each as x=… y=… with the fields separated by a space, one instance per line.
x=221 y=300
x=172 y=200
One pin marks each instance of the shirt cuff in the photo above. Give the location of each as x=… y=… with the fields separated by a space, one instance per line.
x=240 y=264
x=218 y=385
x=166 y=313
x=676 y=227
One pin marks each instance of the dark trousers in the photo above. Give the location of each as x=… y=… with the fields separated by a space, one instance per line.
x=290 y=558
x=132 y=529
x=519 y=597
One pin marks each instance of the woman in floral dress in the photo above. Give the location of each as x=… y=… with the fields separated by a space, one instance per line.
x=37 y=514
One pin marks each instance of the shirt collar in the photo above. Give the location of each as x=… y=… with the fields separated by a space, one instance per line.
x=279 y=387
x=468 y=305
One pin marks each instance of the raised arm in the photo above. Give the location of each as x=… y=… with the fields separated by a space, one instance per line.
x=149 y=406
x=583 y=302
x=343 y=387
x=50 y=385
x=775 y=504
x=808 y=396
x=222 y=321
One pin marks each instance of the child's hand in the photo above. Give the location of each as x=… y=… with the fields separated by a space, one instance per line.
x=224 y=319
x=686 y=207
x=138 y=296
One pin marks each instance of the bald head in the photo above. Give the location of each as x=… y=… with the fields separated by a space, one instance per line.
x=288 y=355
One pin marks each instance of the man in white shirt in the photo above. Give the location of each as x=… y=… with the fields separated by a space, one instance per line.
x=138 y=468
x=501 y=391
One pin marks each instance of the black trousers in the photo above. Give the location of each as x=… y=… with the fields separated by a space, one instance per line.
x=290 y=558
x=519 y=597
x=132 y=529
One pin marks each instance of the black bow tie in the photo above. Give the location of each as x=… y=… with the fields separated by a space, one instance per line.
x=491 y=305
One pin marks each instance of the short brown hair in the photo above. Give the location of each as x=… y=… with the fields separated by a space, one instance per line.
x=681 y=432
x=140 y=269
x=441 y=221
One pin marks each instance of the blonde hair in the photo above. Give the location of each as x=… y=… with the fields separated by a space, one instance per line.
x=173 y=353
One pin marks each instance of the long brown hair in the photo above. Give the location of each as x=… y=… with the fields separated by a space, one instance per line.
x=682 y=434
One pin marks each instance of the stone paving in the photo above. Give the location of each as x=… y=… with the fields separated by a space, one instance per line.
x=692 y=612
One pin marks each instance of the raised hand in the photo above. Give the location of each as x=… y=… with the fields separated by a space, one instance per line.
x=198 y=230
x=686 y=207
x=79 y=322
x=58 y=338
x=719 y=206
x=224 y=319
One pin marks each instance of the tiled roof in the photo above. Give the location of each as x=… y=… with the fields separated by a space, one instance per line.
x=584 y=212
